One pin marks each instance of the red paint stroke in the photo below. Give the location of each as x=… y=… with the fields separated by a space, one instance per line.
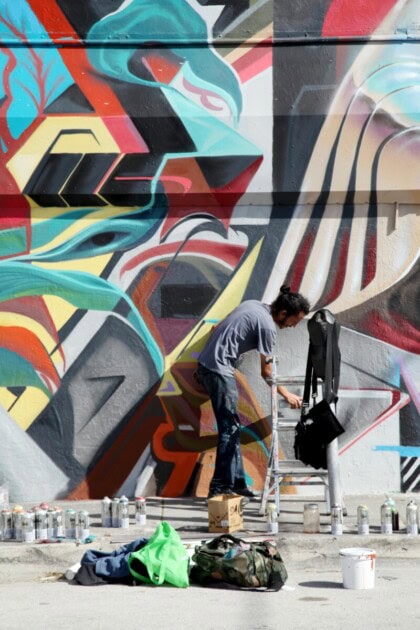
x=205 y=96
x=370 y=260
x=182 y=184
x=162 y=69
x=141 y=294
x=398 y=402
x=355 y=17
x=229 y=195
x=396 y=330
x=228 y=253
x=15 y=211
x=125 y=134
x=27 y=345
x=340 y=268
x=219 y=202
x=255 y=61
x=183 y=462
x=300 y=261
x=95 y=87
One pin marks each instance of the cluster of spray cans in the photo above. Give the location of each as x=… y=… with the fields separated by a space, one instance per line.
x=116 y=512
x=43 y=522
x=389 y=519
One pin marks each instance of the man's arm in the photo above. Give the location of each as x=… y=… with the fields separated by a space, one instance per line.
x=293 y=400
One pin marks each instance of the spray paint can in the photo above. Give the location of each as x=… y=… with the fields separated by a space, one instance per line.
x=17 y=522
x=336 y=520
x=412 y=518
x=70 y=523
x=123 y=512
x=140 y=503
x=272 y=518
x=58 y=522
x=395 y=514
x=50 y=522
x=83 y=524
x=115 y=512
x=386 y=518
x=106 y=512
x=6 y=524
x=41 y=527
x=71 y=571
x=28 y=527
x=362 y=520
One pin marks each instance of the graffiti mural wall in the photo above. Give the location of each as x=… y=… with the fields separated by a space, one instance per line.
x=159 y=163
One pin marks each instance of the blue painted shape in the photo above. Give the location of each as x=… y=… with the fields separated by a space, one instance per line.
x=40 y=75
x=403 y=451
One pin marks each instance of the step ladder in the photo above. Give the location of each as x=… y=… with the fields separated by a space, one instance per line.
x=291 y=471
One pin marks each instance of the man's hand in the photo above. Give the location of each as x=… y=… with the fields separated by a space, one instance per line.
x=293 y=400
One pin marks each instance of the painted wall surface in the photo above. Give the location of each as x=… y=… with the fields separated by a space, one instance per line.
x=160 y=162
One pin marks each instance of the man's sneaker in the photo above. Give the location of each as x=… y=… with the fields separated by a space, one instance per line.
x=245 y=492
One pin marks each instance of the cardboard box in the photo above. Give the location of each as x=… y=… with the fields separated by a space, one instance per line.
x=225 y=513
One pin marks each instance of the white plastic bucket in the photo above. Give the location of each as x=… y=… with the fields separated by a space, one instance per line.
x=358 y=566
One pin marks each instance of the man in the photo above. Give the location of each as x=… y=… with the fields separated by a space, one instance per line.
x=250 y=326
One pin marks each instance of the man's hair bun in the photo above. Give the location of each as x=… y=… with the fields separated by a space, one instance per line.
x=284 y=289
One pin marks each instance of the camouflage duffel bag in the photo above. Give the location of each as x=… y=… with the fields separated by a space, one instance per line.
x=232 y=561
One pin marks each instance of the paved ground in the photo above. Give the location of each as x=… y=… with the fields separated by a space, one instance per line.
x=190 y=518
x=33 y=590
x=313 y=600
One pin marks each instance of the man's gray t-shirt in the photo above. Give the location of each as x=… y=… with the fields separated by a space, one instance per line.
x=249 y=326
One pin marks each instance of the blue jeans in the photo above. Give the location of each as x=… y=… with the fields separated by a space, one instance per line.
x=229 y=470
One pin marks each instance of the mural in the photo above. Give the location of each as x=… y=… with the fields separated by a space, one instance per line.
x=159 y=163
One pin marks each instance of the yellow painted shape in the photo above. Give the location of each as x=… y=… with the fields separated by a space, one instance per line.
x=59 y=309
x=229 y=299
x=28 y=407
x=92 y=137
x=6 y=398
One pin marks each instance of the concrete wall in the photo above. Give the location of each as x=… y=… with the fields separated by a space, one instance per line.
x=162 y=161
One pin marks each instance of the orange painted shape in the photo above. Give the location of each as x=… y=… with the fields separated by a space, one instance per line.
x=183 y=462
x=34 y=307
x=28 y=346
x=95 y=88
x=162 y=69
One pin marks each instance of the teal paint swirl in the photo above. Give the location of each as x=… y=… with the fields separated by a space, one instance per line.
x=81 y=289
x=15 y=371
x=119 y=233
x=160 y=26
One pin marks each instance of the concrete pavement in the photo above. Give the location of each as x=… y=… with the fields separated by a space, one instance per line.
x=190 y=518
